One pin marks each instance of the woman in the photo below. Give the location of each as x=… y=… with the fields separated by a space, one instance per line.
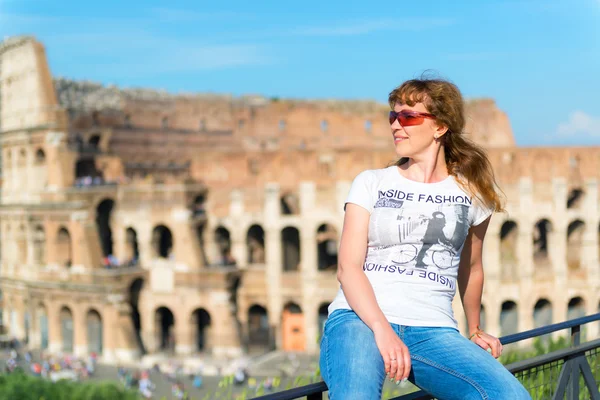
x=413 y=233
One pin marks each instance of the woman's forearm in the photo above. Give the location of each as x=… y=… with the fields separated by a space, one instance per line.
x=471 y=288
x=361 y=297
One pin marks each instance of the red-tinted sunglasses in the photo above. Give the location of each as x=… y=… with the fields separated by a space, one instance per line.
x=409 y=118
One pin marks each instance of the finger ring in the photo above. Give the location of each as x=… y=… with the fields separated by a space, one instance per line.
x=393 y=359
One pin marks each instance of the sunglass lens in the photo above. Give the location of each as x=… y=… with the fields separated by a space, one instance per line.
x=392 y=117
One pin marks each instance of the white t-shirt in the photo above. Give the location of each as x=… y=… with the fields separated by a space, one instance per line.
x=416 y=235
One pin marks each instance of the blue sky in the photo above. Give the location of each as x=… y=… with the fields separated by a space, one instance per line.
x=539 y=59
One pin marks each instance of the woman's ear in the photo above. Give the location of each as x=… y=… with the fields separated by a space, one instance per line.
x=440 y=130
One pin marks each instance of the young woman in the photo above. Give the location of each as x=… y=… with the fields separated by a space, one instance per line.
x=413 y=233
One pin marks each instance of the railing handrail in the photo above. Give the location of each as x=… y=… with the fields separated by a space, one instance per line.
x=320 y=387
x=517 y=337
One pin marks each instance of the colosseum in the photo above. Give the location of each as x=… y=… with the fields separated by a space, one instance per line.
x=137 y=222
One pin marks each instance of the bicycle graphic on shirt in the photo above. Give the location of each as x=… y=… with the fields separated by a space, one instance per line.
x=441 y=258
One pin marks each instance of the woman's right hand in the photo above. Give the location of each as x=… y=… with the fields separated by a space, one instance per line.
x=394 y=352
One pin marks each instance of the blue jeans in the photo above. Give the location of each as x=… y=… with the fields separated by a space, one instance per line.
x=444 y=363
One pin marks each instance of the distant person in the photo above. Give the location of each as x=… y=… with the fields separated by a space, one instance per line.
x=394 y=320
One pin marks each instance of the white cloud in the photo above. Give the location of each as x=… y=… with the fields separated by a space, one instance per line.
x=580 y=124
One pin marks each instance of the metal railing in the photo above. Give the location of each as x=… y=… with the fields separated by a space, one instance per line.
x=570 y=372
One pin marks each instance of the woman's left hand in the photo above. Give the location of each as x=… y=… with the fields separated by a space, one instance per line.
x=488 y=342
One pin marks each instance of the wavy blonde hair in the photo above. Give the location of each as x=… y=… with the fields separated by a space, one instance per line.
x=465 y=160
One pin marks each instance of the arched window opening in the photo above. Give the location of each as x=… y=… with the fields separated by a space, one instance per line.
x=368 y=126
x=165 y=329
x=323 y=314
x=86 y=174
x=509 y=236
x=95 y=118
x=63 y=248
x=292 y=326
x=103 y=217
x=40 y=157
x=255 y=241
x=162 y=242
x=199 y=206
x=282 y=125
x=127 y=121
x=575 y=199
x=134 y=298
x=542 y=316
x=259 y=332
x=94 y=142
x=290 y=204
x=202 y=125
x=164 y=123
x=201 y=321
x=223 y=243
x=576 y=308
x=509 y=318
x=290 y=241
x=131 y=248
x=542 y=313
x=327 y=247
x=94 y=332
x=39 y=245
x=575 y=232
x=42 y=316
x=541 y=242
x=66 y=329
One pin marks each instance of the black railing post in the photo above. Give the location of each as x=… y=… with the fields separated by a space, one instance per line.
x=574 y=384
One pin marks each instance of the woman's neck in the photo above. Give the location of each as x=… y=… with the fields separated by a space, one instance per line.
x=428 y=168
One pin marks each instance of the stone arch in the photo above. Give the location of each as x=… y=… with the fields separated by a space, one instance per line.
x=509 y=318
x=255 y=242
x=509 y=239
x=134 y=292
x=64 y=250
x=259 y=332
x=41 y=313
x=576 y=308
x=86 y=168
x=323 y=313
x=292 y=327
x=132 y=249
x=289 y=204
x=327 y=247
x=162 y=241
x=290 y=242
x=165 y=329
x=575 y=232
x=94 y=142
x=542 y=313
x=542 y=242
x=222 y=239
x=39 y=245
x=201 y=323
x=93 y=321
x=40 y=157
x=575 y=198
x=103 y=222
x=66 y=329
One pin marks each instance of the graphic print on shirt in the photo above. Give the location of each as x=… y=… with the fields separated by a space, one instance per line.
x=434 y=236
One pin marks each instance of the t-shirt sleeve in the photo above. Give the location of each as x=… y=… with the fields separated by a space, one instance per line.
x=481 y=212
x=361 y=191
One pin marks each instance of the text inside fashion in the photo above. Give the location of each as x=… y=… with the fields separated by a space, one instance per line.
x=424 y=198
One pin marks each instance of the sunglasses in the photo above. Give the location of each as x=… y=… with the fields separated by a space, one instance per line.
x=409 y=118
